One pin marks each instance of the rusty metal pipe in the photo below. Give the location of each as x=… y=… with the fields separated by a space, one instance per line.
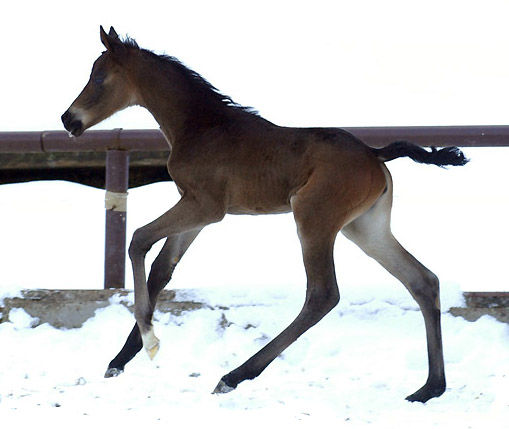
x=117 y=180
x=461 y=136
x=153 y=140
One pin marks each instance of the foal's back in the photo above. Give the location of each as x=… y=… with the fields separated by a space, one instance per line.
x=257 y=167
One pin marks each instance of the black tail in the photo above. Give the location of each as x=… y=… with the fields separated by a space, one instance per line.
x=441 y=157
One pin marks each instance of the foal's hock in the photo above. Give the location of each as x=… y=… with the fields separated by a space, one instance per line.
x=227 y=159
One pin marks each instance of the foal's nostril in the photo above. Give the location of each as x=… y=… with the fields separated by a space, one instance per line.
x=72 y=124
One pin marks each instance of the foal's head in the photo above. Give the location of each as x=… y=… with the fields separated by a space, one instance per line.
x=108 y=89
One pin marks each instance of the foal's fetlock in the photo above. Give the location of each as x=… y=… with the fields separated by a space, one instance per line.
x=150 y=343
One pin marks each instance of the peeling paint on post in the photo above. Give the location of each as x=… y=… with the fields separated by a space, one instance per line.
x=117 y=182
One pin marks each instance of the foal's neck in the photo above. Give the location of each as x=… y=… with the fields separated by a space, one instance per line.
x=180 y=103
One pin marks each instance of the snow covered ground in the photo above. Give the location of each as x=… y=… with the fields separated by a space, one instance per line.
x=352 y=370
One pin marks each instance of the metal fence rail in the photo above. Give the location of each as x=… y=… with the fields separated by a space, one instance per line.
x=153 y=140
x=41 y=155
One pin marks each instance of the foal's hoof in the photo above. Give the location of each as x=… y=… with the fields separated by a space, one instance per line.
x=113 y=372
x=222 y=387
x=425 y=393
x=151 y=344
x=152 y=351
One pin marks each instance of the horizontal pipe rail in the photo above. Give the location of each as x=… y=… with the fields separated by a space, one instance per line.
x=443 y=136
x=153 y=140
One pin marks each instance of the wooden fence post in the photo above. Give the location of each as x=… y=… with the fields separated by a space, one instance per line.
x=117 y=183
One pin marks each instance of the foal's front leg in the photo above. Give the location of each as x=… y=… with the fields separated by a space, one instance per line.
x=187 y=216
x=160 y=274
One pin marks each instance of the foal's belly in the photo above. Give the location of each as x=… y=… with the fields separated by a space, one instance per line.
x=258 y=210
x=259 y=194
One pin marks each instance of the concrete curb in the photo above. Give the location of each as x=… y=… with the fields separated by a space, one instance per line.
x=478 y=304
x=71 y=308
x=472 y=314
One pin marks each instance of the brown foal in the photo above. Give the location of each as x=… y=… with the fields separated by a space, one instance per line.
x=227 y=159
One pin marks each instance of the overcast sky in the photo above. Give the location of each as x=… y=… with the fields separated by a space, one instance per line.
x=333 y=63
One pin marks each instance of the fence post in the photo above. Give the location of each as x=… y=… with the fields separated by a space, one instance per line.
x=117 y=183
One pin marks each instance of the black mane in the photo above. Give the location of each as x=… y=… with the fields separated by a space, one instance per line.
x=201 y=83
x=130 y=42
x=204 y=83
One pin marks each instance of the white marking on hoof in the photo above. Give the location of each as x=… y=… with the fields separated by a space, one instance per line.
x=150 y=343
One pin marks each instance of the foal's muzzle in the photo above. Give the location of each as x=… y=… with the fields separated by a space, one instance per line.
x=72 y=124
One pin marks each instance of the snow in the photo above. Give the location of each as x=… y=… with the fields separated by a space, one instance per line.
x=354 y=369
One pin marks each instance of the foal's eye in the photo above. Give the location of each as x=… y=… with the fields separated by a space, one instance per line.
x=99 y=78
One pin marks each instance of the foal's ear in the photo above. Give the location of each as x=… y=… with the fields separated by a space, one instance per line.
x=111 y=41
x=113 y=33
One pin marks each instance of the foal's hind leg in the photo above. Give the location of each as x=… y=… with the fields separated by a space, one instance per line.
x=317 y=235
x=322 y=296
x=371 y=232
x=160 y=274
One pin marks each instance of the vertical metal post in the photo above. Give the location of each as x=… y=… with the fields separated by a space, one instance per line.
x=117 y=183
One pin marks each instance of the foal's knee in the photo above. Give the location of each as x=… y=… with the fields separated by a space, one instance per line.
x=139 y=246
